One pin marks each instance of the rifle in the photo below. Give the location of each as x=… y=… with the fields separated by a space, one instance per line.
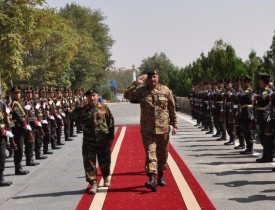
x=13 y=145
x=253 y=119
x=270 y=120
x=30 y=137
x=231 y=111
x=221 y=118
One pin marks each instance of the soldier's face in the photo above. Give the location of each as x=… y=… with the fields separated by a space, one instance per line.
x=152 y=80
x=92 y=98
x=16 y=95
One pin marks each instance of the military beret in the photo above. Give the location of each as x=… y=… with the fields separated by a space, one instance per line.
x=246 y=78
x=151 y=72
x=213 y=83
x=206 y=82
x=15 y=89
x=91 y=91
x=219 y=81
x=265 y=77
x=36 y=89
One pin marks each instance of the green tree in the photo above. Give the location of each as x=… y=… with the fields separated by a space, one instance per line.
x=160 y=62
x=50 y=49
x=93 y=57
x=16 y=20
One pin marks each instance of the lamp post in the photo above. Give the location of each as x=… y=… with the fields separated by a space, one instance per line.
x=134 y=73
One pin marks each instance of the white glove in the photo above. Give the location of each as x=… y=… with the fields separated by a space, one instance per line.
x=9 y=134
x=44 y=122
x=52 y=118
x=63 y=114
x=59 y=117
x=39 y=124
x=28 y=127
x=37 y=106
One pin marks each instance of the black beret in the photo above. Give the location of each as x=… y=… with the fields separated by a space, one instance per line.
x=91 y=91
x=219 y=81
x=151 y=72
x=237 y=79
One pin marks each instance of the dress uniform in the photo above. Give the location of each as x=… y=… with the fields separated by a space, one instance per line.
x=246 y=114
x=219 y=119
x=19 y=129
x=237 y=112
x=3 y=135
x=263 y=113
x=157 y=115
x=98 y=134
x=230 y=128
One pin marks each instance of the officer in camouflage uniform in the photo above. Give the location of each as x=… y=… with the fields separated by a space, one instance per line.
x=98 y=124
x=157 y=114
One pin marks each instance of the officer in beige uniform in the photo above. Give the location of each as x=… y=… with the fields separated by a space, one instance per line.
x=158 y=113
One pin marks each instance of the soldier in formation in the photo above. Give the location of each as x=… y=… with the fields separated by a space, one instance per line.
x=31 y=119
x=238 y=111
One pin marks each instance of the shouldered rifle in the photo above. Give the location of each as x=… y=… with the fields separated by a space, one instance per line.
x=253 y=118
x=270 y=119
x=222 y=108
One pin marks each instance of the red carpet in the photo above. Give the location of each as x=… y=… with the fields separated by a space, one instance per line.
x=127 y=189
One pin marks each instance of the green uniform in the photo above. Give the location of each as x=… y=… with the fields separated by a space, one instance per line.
x=157 y=114
x=98 y=131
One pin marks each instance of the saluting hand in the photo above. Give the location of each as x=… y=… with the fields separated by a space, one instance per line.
x=142 y=78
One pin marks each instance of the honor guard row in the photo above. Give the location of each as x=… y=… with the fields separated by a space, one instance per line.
x=234 y=109
x=31 y=119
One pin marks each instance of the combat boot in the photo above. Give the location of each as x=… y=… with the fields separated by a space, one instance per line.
x=151 y=184
x=4 y=183
x=19 y=170
x=161 y=181
x=106 y=181
x=30 y=162
x=93 y=189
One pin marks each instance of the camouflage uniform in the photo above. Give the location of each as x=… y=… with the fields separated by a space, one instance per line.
x=98 y=125
x=157 y=114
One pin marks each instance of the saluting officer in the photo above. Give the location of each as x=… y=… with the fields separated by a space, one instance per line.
x=158 y=113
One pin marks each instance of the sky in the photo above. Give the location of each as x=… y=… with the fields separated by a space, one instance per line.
x=182 y=29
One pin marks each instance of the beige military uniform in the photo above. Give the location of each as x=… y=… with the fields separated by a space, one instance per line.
x=158 y=112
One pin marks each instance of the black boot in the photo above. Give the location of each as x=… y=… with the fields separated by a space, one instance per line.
x=161 y=181
x=30 y=162
x=19 y=170
x=151 y=184
x=4 y=183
